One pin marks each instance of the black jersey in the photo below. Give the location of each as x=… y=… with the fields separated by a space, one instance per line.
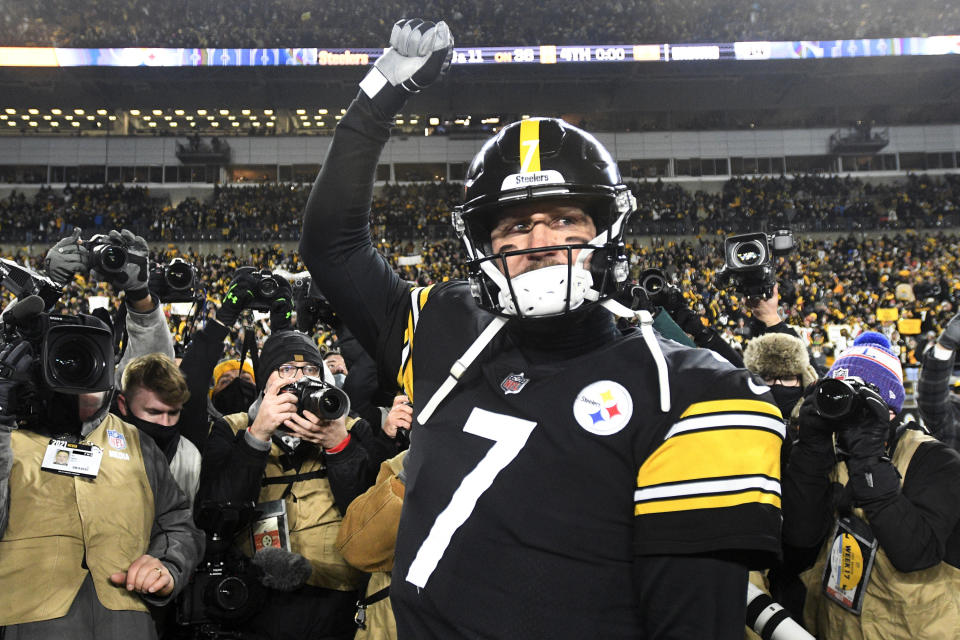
x=532 y=487
x=535 y=489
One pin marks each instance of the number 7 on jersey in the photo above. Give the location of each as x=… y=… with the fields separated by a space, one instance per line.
x=509 y=435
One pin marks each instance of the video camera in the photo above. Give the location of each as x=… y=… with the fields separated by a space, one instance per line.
x=748 y=262
x=319 y=398
x=75 y=351
x=836 y=399
x=226 y=588
x=174 y=282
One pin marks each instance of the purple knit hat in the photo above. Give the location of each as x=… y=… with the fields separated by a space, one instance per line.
x=872 y=359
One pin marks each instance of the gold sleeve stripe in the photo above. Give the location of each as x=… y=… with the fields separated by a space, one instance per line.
x=418 y=298
x=728 y=421
x=718 y=453
x=707 y=502
x=734 y=405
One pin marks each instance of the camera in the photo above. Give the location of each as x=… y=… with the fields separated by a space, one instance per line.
x=106 y=256
x=23 y=282
x=174 y=282
x=225 y=589
x=266 y=288
x=835 y=399
x=748 y=262
x=319 y=398
x=311 y=306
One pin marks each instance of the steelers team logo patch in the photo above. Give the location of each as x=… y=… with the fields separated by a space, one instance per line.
x=603 y=408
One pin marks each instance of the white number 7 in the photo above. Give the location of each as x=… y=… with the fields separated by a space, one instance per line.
x=509 y=435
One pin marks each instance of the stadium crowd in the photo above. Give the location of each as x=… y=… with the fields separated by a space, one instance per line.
x=298 y=23
x=420 y=211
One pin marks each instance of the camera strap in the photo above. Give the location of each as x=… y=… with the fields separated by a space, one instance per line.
x=298 y=477
x=360 y=616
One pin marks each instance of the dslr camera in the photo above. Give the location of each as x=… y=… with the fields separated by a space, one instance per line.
x=836 y=399
x=318 y=397
x=748 y=262
x=174 y=282
x=266 y=288
x=106 y=256
x=225 y=589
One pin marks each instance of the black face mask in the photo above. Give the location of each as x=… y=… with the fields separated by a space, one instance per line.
x=236 y=397
x=167 y=438
x=786 y=398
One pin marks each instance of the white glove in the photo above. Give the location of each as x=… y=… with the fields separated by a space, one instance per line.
x=419 y=53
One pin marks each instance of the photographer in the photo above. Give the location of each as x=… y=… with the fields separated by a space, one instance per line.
x=940 y=409
x=249 y=288
x=105 y=527
x=881 y=515
x=282 y=453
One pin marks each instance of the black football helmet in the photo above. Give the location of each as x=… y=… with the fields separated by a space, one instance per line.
x=544 y=159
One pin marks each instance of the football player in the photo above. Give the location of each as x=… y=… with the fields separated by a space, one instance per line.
x=564 y=480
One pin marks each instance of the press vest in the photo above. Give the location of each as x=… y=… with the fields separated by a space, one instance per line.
x=312 y=519
x=63 y=527
x=917 y=605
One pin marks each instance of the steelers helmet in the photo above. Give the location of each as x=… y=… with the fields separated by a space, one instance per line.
x=544 y=159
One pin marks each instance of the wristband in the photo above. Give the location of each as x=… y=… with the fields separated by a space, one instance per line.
x=340 y=447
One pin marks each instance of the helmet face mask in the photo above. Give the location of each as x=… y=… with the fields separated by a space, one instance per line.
x=544 y=162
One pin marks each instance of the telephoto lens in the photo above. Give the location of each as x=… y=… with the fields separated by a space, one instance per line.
x=319 y=398
x=834 y=398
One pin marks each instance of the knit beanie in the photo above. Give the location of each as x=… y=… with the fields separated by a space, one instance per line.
x=286 y=346
x=779 y=355
x=871 y=358
x=231 y=365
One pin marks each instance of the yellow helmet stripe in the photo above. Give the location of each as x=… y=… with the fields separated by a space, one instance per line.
x=529 y=146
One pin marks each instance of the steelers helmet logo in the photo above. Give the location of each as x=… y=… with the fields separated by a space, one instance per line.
x=603 y=408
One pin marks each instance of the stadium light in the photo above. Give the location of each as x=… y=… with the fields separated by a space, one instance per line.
x=56 y=111
x=11 y=123
x=33 y=112
x=434 y=121
x=322 y=112
x=224 y=112
x=68 y=117
x=47 y=116
x=270 y=124
x=54 y=124
x=201 y=112
x=134 y=112
x=152 y=123
x=101 y=112
x=300 y=112
x=32 y=123
x=10 y=111
x=214 y=124
x=306 y=123
x=178 y=112
x=173 y=125
x=268 y=112
x=91 y=117
x=245 y=112
x=79 y=112
x=75 y=123
x=235 y=124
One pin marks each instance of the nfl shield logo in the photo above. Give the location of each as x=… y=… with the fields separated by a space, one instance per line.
x=116 y=439
x=514 y=383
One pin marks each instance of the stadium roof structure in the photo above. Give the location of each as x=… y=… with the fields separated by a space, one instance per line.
x=632 y=95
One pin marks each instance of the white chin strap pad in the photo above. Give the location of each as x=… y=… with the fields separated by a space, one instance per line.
x=543 y=291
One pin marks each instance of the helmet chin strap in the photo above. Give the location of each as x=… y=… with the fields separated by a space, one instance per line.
x=646 y=330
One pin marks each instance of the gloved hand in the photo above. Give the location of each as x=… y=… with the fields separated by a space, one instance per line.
x=16 y=362
x=133 y=277
x=950 y=338
x=419 y=53
x=238 y=296
x=873 y=479
x=66 y=258
x=281 y=311
x=815 y=431
x=866 y=439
